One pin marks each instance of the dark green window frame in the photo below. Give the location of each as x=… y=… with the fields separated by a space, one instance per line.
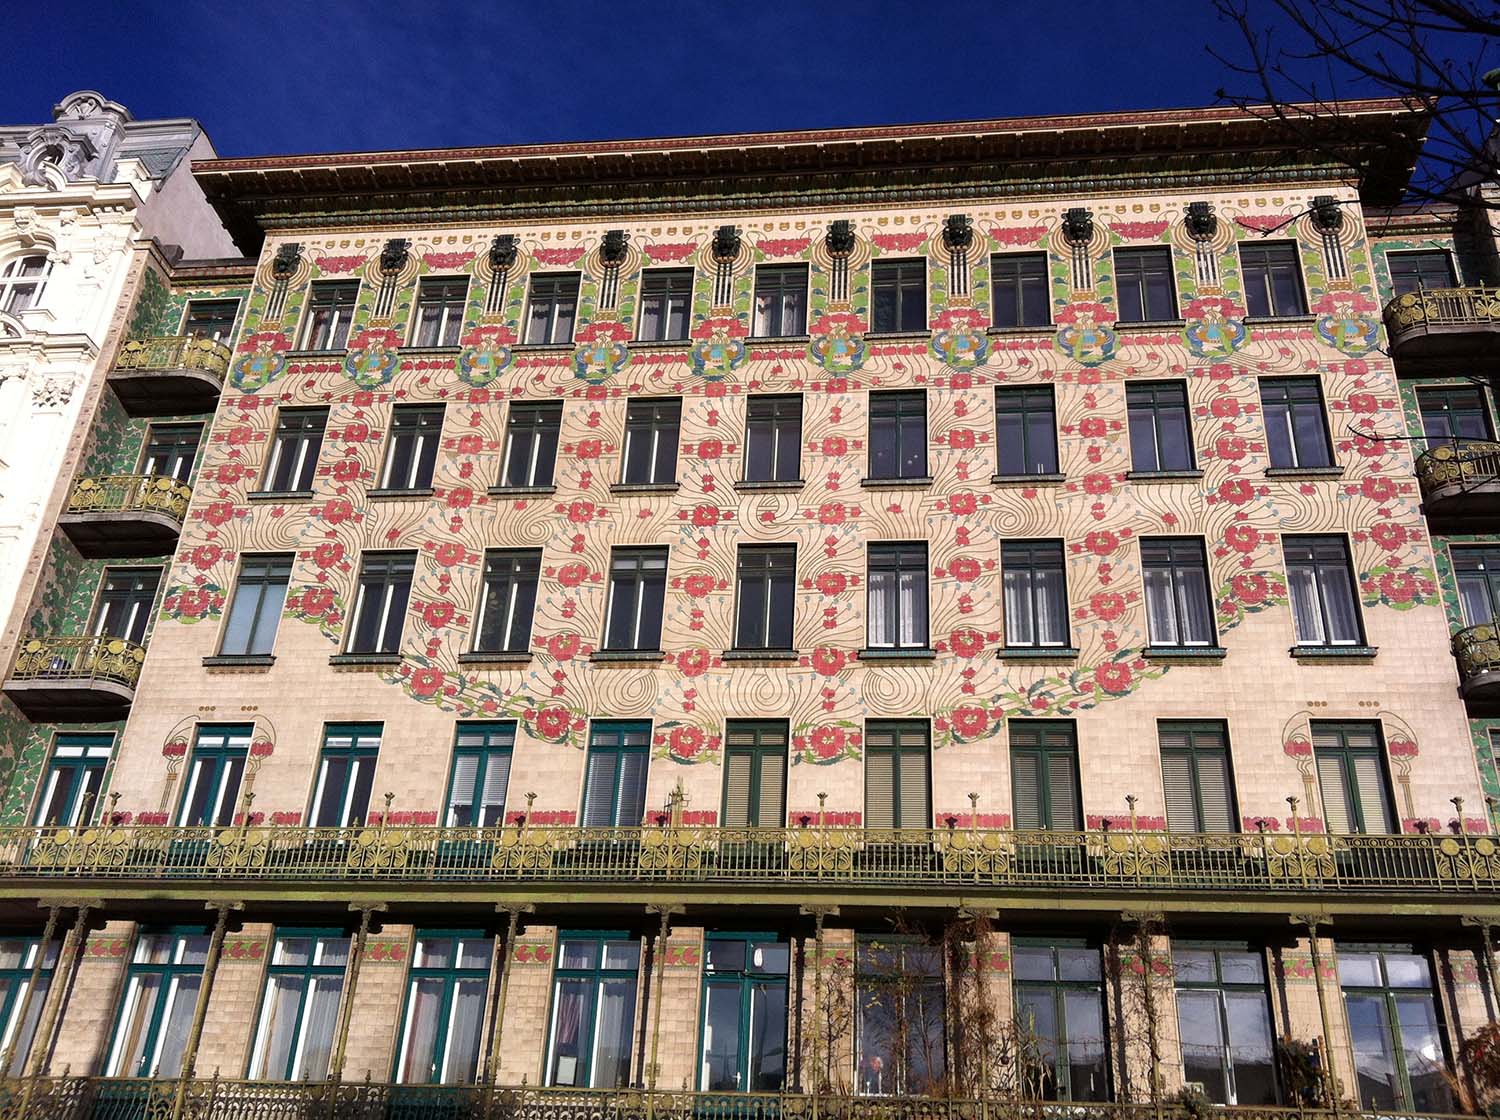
x=215 y=774
x=764 y=745
x=1415 y=270
x=1338 y=757
x=171 y=450
x=293 y=462
x=188 y=950
x=596 y=977
x=485 y=749
x=900 y=985
x=18 y=956
x=729 y=965
x=311 y=973
x=260 y=592
x=71 y=785
x=1160 y=420
x=1047 y=750
x=1477 y=570
x=1193 y=751
x=905 y=746
x=453 y=977
x=1455 y=413
x=1228 y=985
x=1436 y=1095
x=1076 y=969
x=341 y=794
x=626 y=744
x=1025 y=431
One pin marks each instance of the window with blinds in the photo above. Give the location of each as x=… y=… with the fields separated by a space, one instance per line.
x=1196 y=777
x=755 y=754
x=897 y=790
x=1351 y=778
x=1044 y=775
x=481 y=771
x=614 y=781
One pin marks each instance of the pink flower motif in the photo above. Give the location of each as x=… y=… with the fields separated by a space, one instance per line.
x=827 y=662
x=333 y=266
x=898 y=242
x=447 y=262
x=1262 y=222
x=1018 y=235
x=730 y=327
x=1129 y=230
x=174 y=748
x=677 y=251
x=785 y=247
x=569 y=256
x=693 y=662
x=262 y=748
x=1402 y=748
x=1297 y=747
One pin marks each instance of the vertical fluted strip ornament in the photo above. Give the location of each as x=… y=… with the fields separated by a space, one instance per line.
x=665 y=910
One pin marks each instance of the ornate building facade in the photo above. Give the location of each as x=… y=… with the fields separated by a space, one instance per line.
x=775 y=622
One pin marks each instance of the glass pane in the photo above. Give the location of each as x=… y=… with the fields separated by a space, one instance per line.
x=318 y=1023
x=570 y=1022
x=1250 y=1047
x=1078 y=964
x=622 y=954
x=182 y=1000
x=767 y=1037
x=461 y=1061
x=1359 y=970
x=1036 y=1025
x=1422 y=1047
x=771 y=956
x=1203 y=1046
x=612 y=1041
x=1030 y=962
x=423 y=1019
x=1194 y=964
x=278 y=1024
x=1242 y=968
x=1407 y=970
x=1374 y=1056
x=721 y=1038
x=1087 y=1076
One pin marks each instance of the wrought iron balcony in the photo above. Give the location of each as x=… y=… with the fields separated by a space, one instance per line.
x=1477 y=650
x=91 y=677
x=172 y=376
x=125 y=514
x=1460 y=480
x=764 y=859
x=1444 y=322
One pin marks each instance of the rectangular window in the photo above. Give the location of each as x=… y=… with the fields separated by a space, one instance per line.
x=294 y=454
x=330 y=309
x=593 y=1010
x=411 y=451
x=73 y=780
x=898 y=789
x=1454 y=413
x=637 y=594
x=1026 y=431
x=1352 y=781
x=1195 y=775
x=171 y=450
x=440 y=311
x=157 y=1005
x=614 y=784
x=1020 y=284
x=780 y=300
x=1224 y=1022
x=651 y=428
x=1296 y=430
x=124 y=606
x=898 y=596
x=1060 y=1019
x=1321 y=581
x=1178 y=609
x=212 y=319
x=17 y=960
x=1395 y=1031
x=898 y=296
x=1425 y=268
x=531 y=434
x=255 y=609
x=898 y=435
x=666 y=302
x=1272 y=276
x=1036 y=594
x=380 y=605
x=1478 y=573
x=744 y=1013
x=211 y=790
x=1161 y=435
x=901 y=1012
x=1044 y=775
x=755 y=754
x=505 y=615
x=773 y=439
x=346 y=772
x=22 y=281
x=554 y=308
x=766 y=596
x=299 y=1012
x=1143 y=281
x=481 y=771
x=447 y=989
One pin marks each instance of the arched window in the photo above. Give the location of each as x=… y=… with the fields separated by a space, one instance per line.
x=22 y=281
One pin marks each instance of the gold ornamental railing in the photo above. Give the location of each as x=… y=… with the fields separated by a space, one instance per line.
x=763 y=858
x=174 y=352
x=1442 y=307
x=130 y=493
x=1477 y=649
x=97 y=657
x=1466 y=463
x=99 y=1098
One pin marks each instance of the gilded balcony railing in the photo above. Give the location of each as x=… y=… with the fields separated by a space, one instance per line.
x=98 y=1098
x=174 y=352
x=762 y=858
x=130 y=493
x=1464 y=464
x=1442 y=307
x=95 y=657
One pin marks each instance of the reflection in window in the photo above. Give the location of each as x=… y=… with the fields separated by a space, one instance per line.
x=900 y=1011
x=1224 y=1022
x=593 y=1010
x=445 y=1006
x=1060 y=1022
x=1394 y=1030
x=744 y=1015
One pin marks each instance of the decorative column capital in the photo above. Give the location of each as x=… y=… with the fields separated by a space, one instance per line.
x=1480 y=920
x=1143 y=917
x=818 y=910
x=1311 y=921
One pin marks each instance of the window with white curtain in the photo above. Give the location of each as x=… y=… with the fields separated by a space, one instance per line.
x=157 y=1005
x=593 y=1010
x=440 y=311
x=304 y=980
x=445 y=1001
x=1322 y=586
x=1178 y=609
x=780 y=300
x=1478 y=573
x=1036 y=594
x=666 y=303
x=897 y=585
x=18 y=958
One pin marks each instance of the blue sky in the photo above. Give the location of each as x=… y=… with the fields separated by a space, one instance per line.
x=338 y=75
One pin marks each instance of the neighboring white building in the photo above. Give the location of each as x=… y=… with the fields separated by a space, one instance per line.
x=81 y=200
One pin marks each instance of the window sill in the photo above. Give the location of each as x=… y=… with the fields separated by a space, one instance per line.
x=337 y=352
x=240 y=661
x=521 y=491
x=1152 y=325
x=1037 y=653
x=1302 y=320
x=894 y=336
x=1163 y=476
x=277 y=495
x=389 y=492
x=431 y=351
x=542 y=347
x=1185 y=653
x=1334 y=653
x=759 y=655
x=645 y=488
x=658 y=343
x=1304 y=472
x=896 y=483
x=496 y=657
x=1038 y=329
x=773 y=339
x=355 y=660
x=883 y=654
x=751 y=485
x=1028 y=479
x=628 y=656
